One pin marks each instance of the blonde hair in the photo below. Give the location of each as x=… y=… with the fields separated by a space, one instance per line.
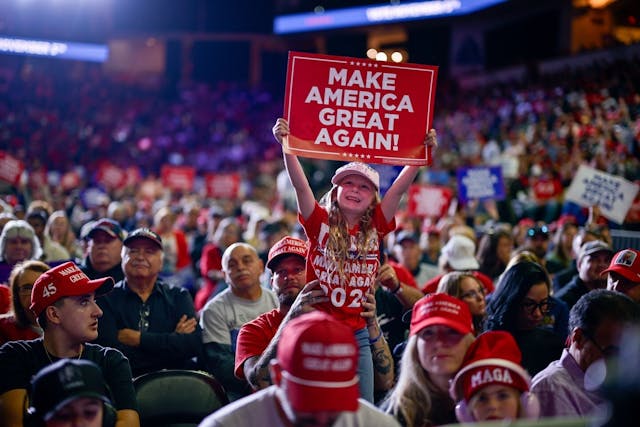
x=338 y=242
x=412 y=398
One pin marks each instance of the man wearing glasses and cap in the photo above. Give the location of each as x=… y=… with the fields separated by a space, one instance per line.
x=154 y=325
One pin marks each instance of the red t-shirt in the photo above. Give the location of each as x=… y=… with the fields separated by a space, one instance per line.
x=10 y=331
x=345 y=298
x=254 y=337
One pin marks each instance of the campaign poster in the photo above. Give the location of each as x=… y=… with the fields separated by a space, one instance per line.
x=428 y=201
x=111 y=176
x=222 y=186
x=612 y=194
x=10 y=168
x=354 y=109
x=179 y=178
x=480 y=183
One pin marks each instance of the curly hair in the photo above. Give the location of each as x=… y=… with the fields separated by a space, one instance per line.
x=338 y=244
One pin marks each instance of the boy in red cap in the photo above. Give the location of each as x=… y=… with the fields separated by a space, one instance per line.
x=492 y=385
x=315 y=382
x=624 y=273
x=64 y=301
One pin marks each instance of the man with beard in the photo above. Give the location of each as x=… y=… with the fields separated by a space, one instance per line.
x=258 y=340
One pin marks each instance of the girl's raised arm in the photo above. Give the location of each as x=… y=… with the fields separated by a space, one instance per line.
x=304 y=194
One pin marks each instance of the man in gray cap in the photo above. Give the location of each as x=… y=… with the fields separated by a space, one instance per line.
x=104 y=245
x=593 y=259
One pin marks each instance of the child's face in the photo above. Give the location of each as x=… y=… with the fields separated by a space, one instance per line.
x=495 y=402
x=355 y=194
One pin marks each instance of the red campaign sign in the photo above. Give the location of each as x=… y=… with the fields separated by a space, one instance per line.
x=70 y=181
x=343 y=108
x=10 y=168
x=178 y=177
x=428 y=200
x=547 y=188
x=111 y=176
x=222 y=186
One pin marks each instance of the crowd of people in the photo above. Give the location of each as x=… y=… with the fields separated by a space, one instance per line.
x=342 y=310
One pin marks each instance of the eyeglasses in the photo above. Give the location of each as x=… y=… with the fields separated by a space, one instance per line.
x=143 y=324
x=608 y=351
x=531 y=306
x=475 y=294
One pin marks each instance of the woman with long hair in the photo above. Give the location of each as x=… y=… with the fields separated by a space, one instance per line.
x=441 y=331
x=20 y=323
x=519 y=306
x=466 y=287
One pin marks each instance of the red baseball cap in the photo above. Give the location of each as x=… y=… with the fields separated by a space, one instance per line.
x=441 y=309
x=286 y=246
x=627 y=264
x=493 y=358
x=319 y=359
x=65 y=280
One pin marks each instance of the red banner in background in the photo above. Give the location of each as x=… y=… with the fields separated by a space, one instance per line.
x=111 y=176
x=178 y=177
x=222 y=186
x=10 y=168
x=428 y=200
x=343 y=108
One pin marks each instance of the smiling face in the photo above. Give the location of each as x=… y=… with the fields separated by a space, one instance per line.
x=355 y=194
x=495 y=402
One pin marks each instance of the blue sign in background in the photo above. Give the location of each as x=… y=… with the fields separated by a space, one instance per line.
x=480 y=183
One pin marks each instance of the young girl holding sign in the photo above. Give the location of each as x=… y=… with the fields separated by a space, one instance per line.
x=344 y=231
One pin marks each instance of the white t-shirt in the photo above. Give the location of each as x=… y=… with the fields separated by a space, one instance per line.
x=260 y=409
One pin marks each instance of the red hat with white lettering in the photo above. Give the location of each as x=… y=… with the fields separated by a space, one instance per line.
x=318 y=358
x=441 y=309
x=286 y=246
x=493 y=358
x=65 y=280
